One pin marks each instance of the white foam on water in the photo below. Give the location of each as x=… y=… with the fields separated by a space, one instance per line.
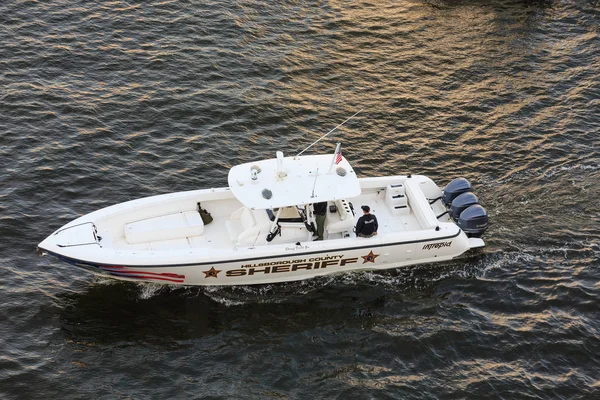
x=148 y=290
x=528 y=174
x=269 y=293
x=100 y=280
x=554 y=171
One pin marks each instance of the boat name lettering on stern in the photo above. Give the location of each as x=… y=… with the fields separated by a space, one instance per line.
x=437 y=245
x=291 y=266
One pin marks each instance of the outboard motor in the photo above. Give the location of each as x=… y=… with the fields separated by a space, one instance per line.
x=453 y=189
x=473 y=221
x=461 y=203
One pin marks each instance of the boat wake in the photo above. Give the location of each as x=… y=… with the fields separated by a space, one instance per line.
x=499 y=261
x=405 y=280
x=402 y=281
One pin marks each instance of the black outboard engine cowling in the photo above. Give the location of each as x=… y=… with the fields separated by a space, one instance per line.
x=473 y=221
x=461 y=203
x=453 y=189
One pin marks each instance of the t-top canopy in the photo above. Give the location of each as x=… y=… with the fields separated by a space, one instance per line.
x=288 y=181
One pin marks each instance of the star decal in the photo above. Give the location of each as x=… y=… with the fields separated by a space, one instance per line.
x=211 y=273
x=370 y=257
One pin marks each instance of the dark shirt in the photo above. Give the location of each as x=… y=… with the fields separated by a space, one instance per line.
x=320 y=208
x=367 y=225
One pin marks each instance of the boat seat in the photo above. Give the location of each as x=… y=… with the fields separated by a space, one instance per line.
x=420 y=205
x=242 y=227
x=165 y=227
x=288 y=214
x=346 y=221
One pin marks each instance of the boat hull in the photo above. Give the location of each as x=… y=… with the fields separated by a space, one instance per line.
x=298 y=262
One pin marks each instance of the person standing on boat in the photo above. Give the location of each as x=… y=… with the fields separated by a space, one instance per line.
x=367 y=224
x=320 y=210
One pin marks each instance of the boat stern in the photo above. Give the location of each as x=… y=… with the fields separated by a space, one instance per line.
x=475 y=243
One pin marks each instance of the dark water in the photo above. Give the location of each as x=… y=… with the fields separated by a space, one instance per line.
x=101 y=102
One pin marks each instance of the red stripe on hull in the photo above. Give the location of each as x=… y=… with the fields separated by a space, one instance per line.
x=167 y=274
x=145 y=277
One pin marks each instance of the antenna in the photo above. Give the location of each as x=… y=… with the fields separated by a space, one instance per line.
x=327 y=134
x=315 y=184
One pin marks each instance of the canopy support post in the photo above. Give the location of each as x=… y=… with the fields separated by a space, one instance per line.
x=273 y=226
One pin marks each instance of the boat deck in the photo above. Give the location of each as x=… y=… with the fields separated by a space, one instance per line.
x=216 y=234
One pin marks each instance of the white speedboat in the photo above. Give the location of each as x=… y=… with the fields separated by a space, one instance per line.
x=261 y=228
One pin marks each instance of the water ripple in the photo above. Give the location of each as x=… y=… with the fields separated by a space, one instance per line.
x=110 y=101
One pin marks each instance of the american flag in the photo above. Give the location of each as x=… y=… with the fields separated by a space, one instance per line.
x=338 y=154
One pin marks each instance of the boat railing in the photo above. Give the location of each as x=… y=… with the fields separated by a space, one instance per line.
x=96 y=241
